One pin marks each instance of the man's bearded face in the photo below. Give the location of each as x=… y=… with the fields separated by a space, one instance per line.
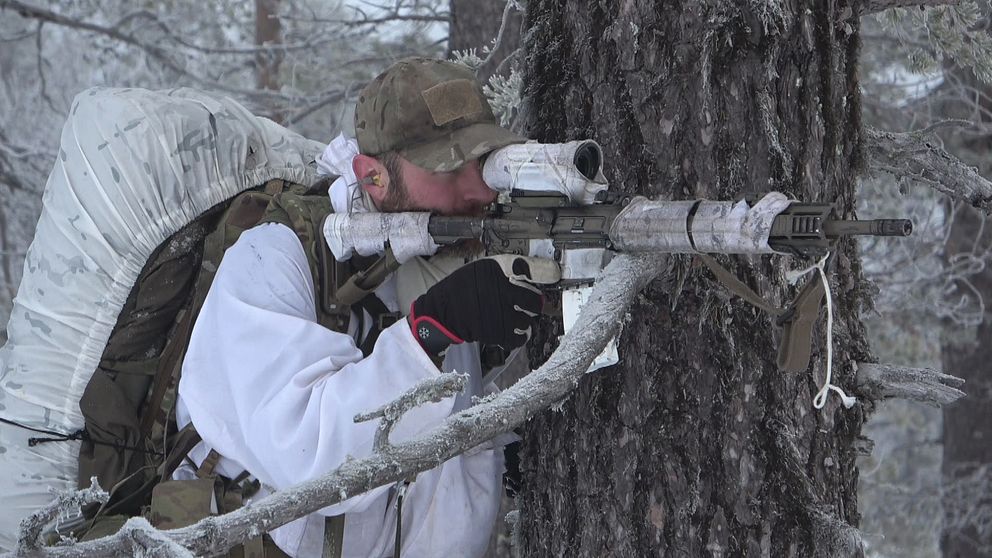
x=461 y=192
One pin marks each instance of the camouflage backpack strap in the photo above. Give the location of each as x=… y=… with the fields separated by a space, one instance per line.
x=304 y=214
x=244 y=212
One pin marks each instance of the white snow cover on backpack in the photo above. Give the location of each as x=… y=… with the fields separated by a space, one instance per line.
x=134 y=166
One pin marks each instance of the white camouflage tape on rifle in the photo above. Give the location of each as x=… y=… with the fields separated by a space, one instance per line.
x=719 y=227
x=536 y=166
x=367 y=234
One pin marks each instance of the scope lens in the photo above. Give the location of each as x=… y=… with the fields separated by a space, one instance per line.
x=587 y=160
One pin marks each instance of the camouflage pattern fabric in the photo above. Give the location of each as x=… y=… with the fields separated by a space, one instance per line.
x=432 y=112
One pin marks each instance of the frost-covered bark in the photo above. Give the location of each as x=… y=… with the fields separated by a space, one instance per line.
x=696 y=445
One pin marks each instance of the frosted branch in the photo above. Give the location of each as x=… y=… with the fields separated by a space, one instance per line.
x=65 y=503
x=885 y=381
x=149 y=541
x=510 y=6
x=430 y=390
x=918 y=157
x=599 y=321
x=153 y=50
x=874 y=6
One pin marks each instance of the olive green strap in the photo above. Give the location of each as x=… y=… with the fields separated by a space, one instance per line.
x=737 y=287
x=333 y=537
x=366 y=281
x=796 y=320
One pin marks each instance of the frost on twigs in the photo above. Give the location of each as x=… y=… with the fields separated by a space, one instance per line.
x=147 y=541
x=430 y=390
x=883 y=381
x=951 y=30
x=503 y=94
x=468 y=58
x=65 y=504
x=918 y=157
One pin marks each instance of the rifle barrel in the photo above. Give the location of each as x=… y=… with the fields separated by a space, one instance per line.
x=873 y=227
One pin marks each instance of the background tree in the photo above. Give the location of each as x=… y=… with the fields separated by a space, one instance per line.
x=967 y=424
x=929 y=71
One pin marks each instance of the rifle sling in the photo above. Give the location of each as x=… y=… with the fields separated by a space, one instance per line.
x=796 y=319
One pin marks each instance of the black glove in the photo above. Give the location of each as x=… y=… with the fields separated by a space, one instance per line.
x=477 y=302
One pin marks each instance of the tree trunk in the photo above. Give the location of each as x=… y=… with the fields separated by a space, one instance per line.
x=966 y=353
x=475 y=24
x=696 y=445
x=968 y=422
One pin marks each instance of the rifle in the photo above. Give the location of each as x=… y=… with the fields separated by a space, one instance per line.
x=555 y=203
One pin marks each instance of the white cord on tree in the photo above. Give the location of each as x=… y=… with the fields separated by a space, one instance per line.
x=820 y=399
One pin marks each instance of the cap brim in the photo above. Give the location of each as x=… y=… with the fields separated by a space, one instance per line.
x=460 y=146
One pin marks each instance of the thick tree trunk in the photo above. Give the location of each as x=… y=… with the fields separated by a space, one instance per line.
x=967 y=427
x=967 y=466
x=696 y=444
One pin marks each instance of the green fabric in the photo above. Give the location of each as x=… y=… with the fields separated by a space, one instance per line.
x=433 y=112
x=128 y=405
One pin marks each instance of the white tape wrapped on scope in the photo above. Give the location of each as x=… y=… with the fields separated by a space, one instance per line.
x=368 y=233
x=544 y=167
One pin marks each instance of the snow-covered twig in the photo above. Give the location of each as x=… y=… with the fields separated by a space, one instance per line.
x=884 y=381
x=599 y=321
x=430 y=390
x=149 y=541
x=29 y=539
x=510 y=6
x=915 y=156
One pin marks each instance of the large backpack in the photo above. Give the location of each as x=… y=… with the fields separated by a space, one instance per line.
x=131 y=442
x=142 y=181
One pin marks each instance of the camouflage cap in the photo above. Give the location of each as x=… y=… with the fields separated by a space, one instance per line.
x=432 y=112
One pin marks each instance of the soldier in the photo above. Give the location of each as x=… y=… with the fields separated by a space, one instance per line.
x=273 y=393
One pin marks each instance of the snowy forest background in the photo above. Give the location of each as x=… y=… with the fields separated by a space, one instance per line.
x=926 y=474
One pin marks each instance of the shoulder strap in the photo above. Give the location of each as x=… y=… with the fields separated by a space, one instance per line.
x=796 y=319
x=304 y=214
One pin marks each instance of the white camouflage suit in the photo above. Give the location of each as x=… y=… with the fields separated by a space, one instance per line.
x=275 y=394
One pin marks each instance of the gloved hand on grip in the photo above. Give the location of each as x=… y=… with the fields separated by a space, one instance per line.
x=491 y=300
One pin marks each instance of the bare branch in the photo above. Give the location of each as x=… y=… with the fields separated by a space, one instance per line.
x=874 y=6
x=430 y=390
x=885 y=381
x=600 y=319
x=510 y=6
x=31 y=527
x=915 y=156
x=154 y=50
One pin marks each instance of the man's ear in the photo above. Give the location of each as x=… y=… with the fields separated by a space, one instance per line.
x=372 y=176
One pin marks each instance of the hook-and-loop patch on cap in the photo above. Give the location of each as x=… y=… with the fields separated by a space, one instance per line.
x=450 y=100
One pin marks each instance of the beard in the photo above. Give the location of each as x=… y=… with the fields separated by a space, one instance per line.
x=398 y=199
